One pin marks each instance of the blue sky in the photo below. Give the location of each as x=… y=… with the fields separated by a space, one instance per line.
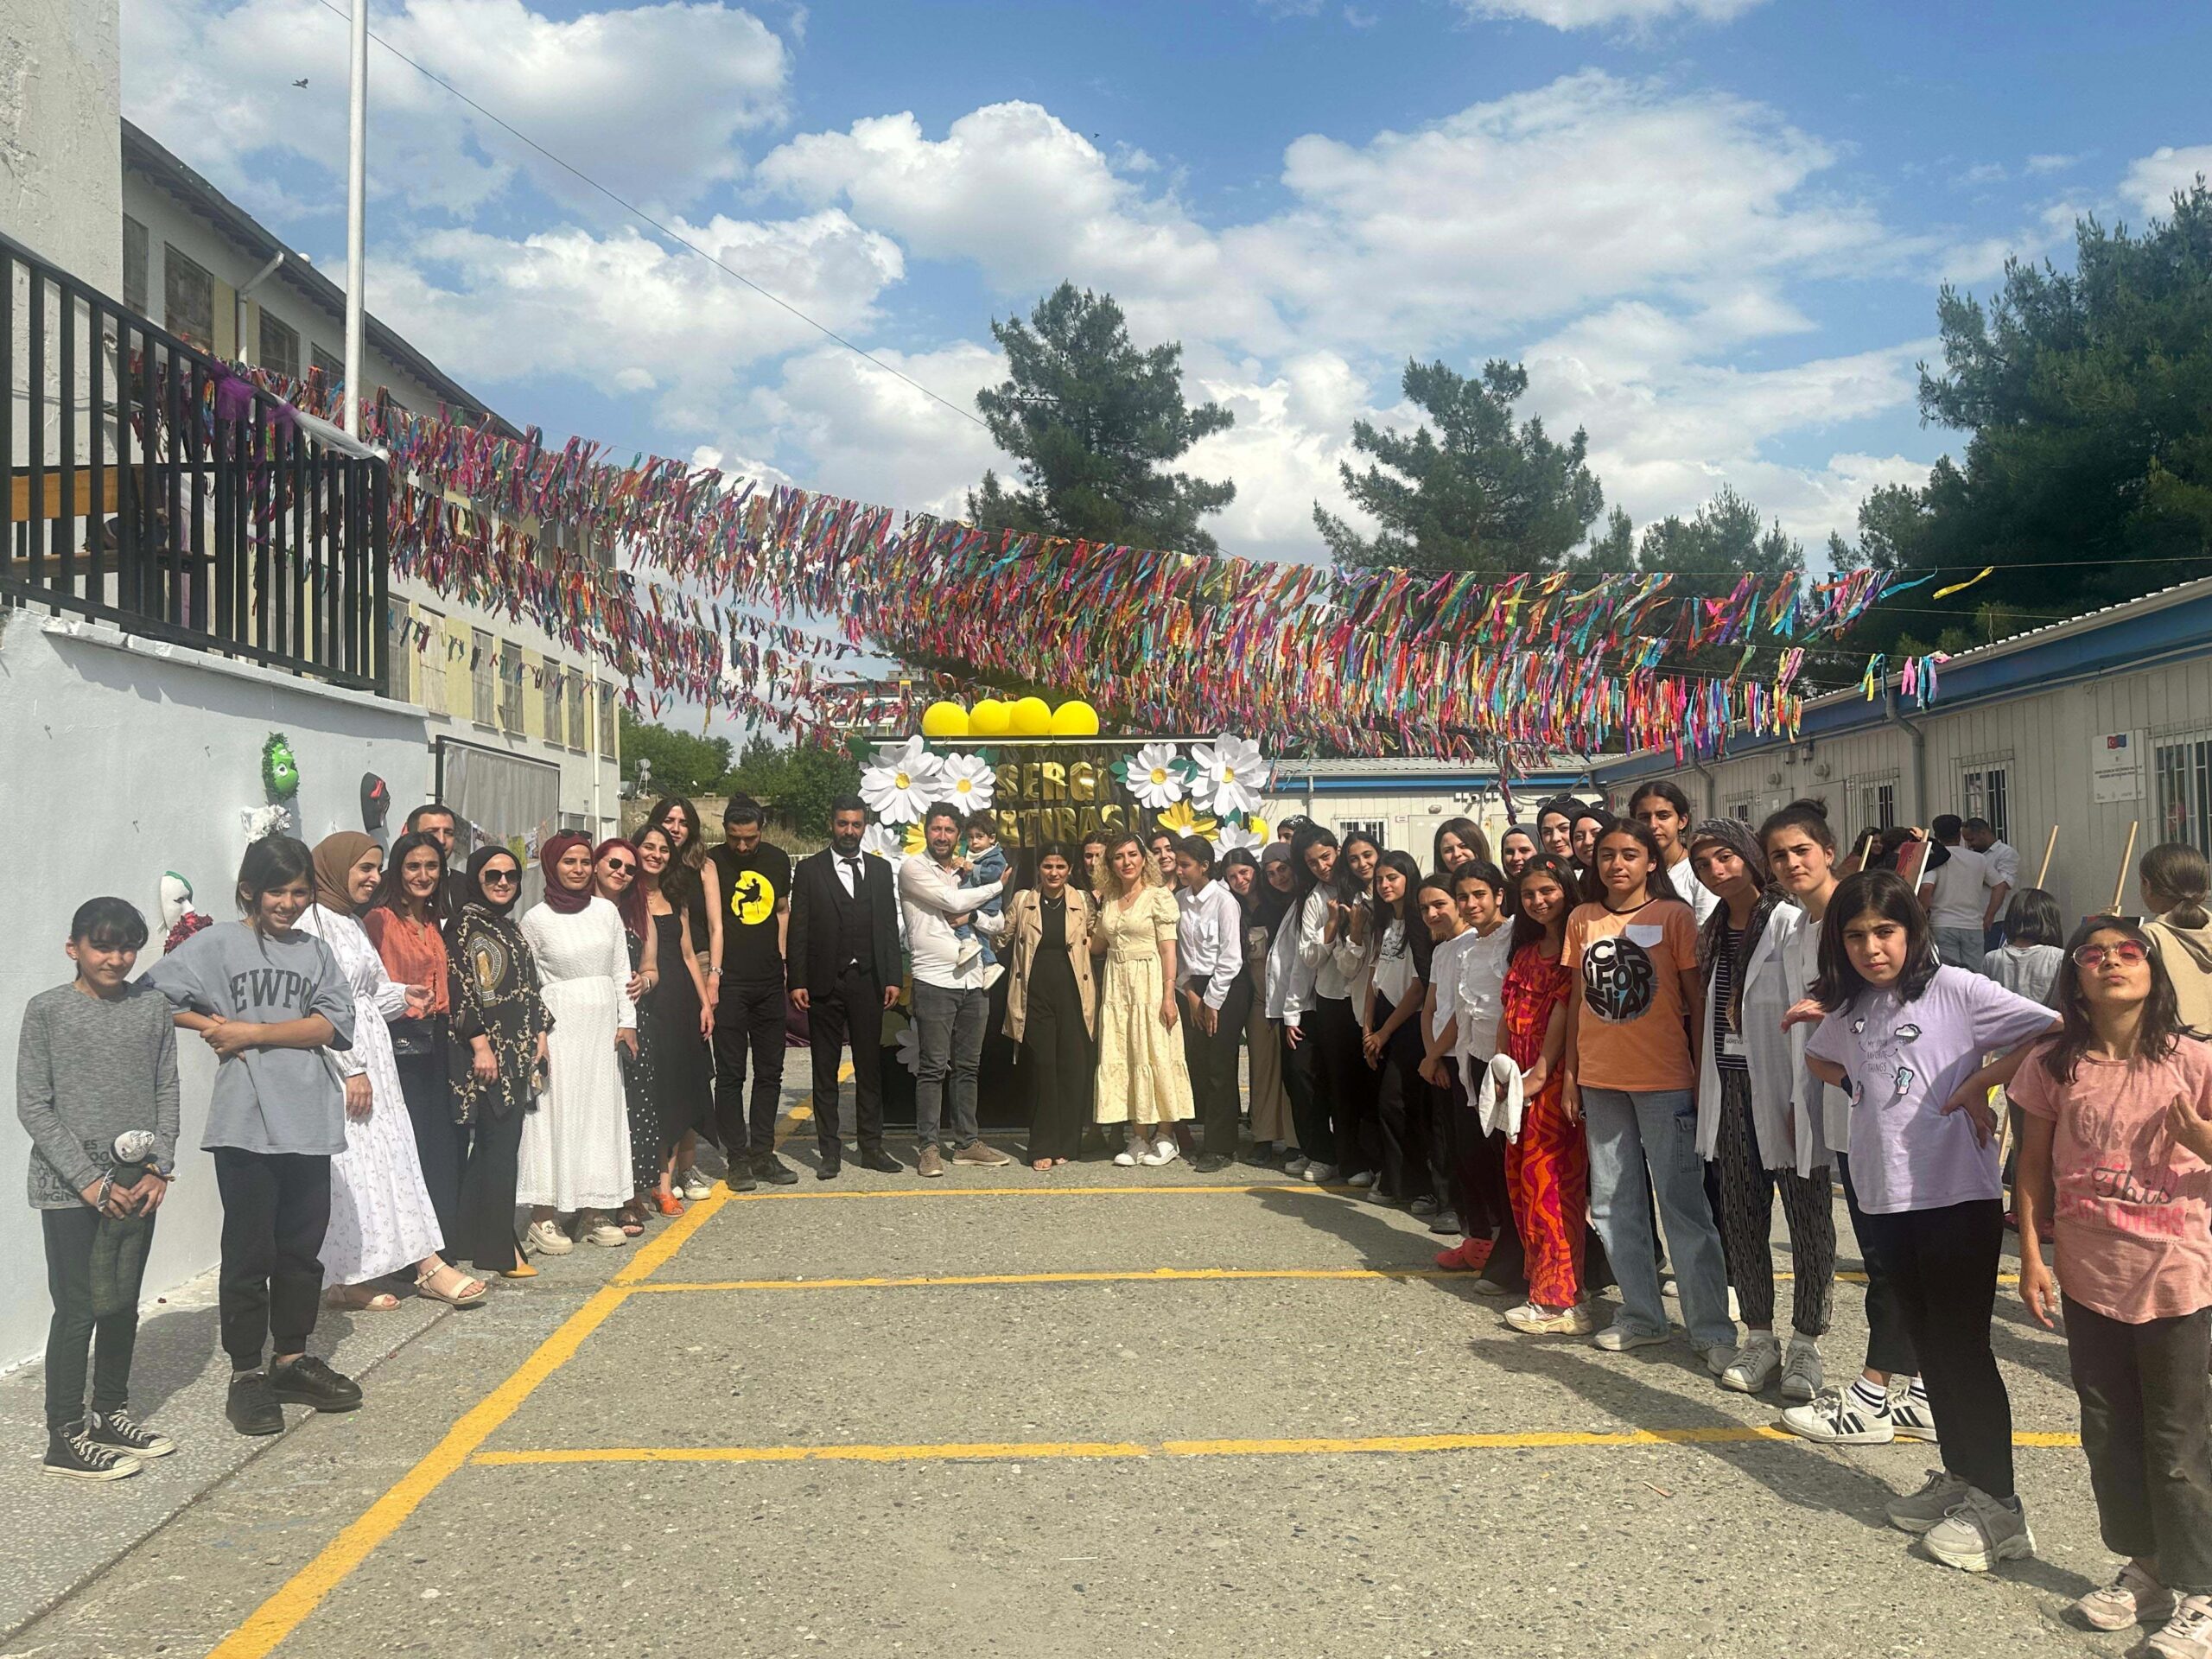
x=1714 y=229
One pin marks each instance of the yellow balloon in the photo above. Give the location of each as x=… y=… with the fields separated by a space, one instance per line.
x=1033 y=717
x=944 y=719
x=1075 y=718
x=989 y=718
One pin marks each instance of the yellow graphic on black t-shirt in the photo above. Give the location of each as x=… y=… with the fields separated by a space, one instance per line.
x=753 y=898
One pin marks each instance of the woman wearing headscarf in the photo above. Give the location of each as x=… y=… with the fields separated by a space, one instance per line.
x=1051 y=1003
x=575 y=1147
x=616 y=878
x=1755 y=1121
x=499 y=1047
x=381 y=1218
x=1274 y=1133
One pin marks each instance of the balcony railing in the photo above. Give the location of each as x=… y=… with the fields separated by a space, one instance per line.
x=150 y=486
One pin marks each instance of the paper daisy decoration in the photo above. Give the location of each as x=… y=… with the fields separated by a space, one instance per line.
x=966 y=781
x=909 y=1049
x=902 y=783
x=1155 y=775
x=1180 y=820
x=1235 y=838
x=887 y=841
x=1230 y=774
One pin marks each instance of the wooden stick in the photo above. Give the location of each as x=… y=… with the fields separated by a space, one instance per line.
x=1927 y=852
x=2047 y=848
x=2120 y=887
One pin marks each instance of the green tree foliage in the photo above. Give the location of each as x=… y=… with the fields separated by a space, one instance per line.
x=1723 y=542
x=1092 y=423
x=800 y=781
x=1479 y=492
x=682 y=764
x=2087 y=397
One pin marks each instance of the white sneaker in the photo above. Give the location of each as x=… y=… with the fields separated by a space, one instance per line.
x=1801 y=1373
x=1839 y=1417
x=2188 y=1634
x=546 y=1238
x=697 y=1185
x=1718 y=1355
x=1319 y=1174
x=1940 y=1494
x=993 y=974
x=1617 y=1339
x=1533 y=1320
x=1911 y=1418
x=1164 y=1150
x=2132 y=1597
x=1981 y=1531
x=1294 y=1166
x=605 y=1235
x=1364 y=1178
x=1125 y=1158
x=1755 y=1365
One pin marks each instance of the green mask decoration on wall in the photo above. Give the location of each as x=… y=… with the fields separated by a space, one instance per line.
x=280 y=772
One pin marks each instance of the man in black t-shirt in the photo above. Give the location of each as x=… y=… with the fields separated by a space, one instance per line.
x=749 y=896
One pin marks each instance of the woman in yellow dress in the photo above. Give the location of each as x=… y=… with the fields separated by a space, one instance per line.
x=1141 y=1079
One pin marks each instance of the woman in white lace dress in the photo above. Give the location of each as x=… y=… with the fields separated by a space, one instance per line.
x=1142 y=1079
x=380 y=1216
x=575 y=1147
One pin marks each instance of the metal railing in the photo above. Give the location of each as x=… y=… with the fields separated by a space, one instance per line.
x=151 y=486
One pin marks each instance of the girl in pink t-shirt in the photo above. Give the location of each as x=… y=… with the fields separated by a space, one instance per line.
x=2116 y=1148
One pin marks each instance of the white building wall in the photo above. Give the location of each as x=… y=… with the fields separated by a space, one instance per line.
x=590 y=779
x=60 y=156
x=2049 y=744
x=125 y=758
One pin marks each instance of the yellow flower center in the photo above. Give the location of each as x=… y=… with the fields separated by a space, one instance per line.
x=904 y=782
x=960 y=785
x=1160 y=774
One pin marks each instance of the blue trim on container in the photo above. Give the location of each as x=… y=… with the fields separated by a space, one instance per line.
x=2182 y=631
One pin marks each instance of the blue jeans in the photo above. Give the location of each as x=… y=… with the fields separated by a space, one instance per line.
x=1960 y=946
x=951 y=1024
x=1659 y=1126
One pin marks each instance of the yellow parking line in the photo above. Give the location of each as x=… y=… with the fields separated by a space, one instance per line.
x=284 y=1612
x=1159 y=1191
x=1135 y=1275
x=1023 y=1452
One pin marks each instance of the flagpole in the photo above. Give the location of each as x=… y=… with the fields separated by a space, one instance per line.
x=356 y=214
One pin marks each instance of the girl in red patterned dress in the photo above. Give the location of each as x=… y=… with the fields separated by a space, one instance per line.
x=1548 y=1166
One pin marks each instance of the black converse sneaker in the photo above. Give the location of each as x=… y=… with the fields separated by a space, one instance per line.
x=70 y=1453
x=119 y=1431
x=307 y=1381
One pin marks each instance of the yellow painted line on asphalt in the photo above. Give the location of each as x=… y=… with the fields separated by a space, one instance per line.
x=1135 y=1275
x=1038 y=1451
x=1162 y=1192
x=284 y=1612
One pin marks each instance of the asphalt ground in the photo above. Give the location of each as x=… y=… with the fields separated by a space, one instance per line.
x=1101 y=1412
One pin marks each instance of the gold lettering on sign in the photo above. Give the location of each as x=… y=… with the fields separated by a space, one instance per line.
x=1083 y=782
x=1055 y=782
x=1005 y=781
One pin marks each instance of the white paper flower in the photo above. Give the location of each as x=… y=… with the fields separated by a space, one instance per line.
x=902 y=783
x=1231 y=775
x=1233 y=836
x=1154 y=776
x=887 y=841
x=966 y=781
x=910 y=1048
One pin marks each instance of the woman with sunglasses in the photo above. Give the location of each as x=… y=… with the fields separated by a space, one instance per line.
x=497 y=1052
x=1906 y=1036
x=615 y=878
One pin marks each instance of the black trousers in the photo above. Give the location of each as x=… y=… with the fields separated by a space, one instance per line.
x=483 y=1223
x=1057 y=1052
x=749 y=1026
x=1943 y=1264
x=2144 y=1400
x=1346 y=1086
x=1405 y=1110
x=1301 y=1082
x=275 y=1209
x=1889 y=1341
x=853 y=1009
x=1211 y=1061
x=441 y=1144
x=94 y=1285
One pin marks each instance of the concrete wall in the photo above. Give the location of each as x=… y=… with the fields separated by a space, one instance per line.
x=60 y=154
x=2049 y=745
x=123 y=759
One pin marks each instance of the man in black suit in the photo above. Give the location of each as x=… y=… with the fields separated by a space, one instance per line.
x=844 y=966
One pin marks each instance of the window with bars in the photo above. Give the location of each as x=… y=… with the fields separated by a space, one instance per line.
x=483 y=668
x=1371 y=828
x=606 y=739
x=578 y=718
x=137 y=261
x=2183 y=766
x=187 y=298
x=1878 y=803
x=332 y=369
x=555 y=676
x=434 y=659
x=511 y=687
x=399 y=654
x=277 y=346
x=1740 y=810
x=1983 y=794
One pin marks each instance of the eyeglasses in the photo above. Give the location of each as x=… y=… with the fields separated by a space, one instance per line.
x=2095 y=956
x=620 y=867
x=500 y=878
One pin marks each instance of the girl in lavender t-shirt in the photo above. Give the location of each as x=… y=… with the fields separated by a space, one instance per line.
x=2116 y=1148
x=1905 y=1039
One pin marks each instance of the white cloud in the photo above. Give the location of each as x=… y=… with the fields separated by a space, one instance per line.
x=622 y=309
x=2051 y=164
x=653 y=99
x=2152 y=180
x=1608 y=14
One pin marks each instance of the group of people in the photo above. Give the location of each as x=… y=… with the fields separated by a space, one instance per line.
x=1620 y=1023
